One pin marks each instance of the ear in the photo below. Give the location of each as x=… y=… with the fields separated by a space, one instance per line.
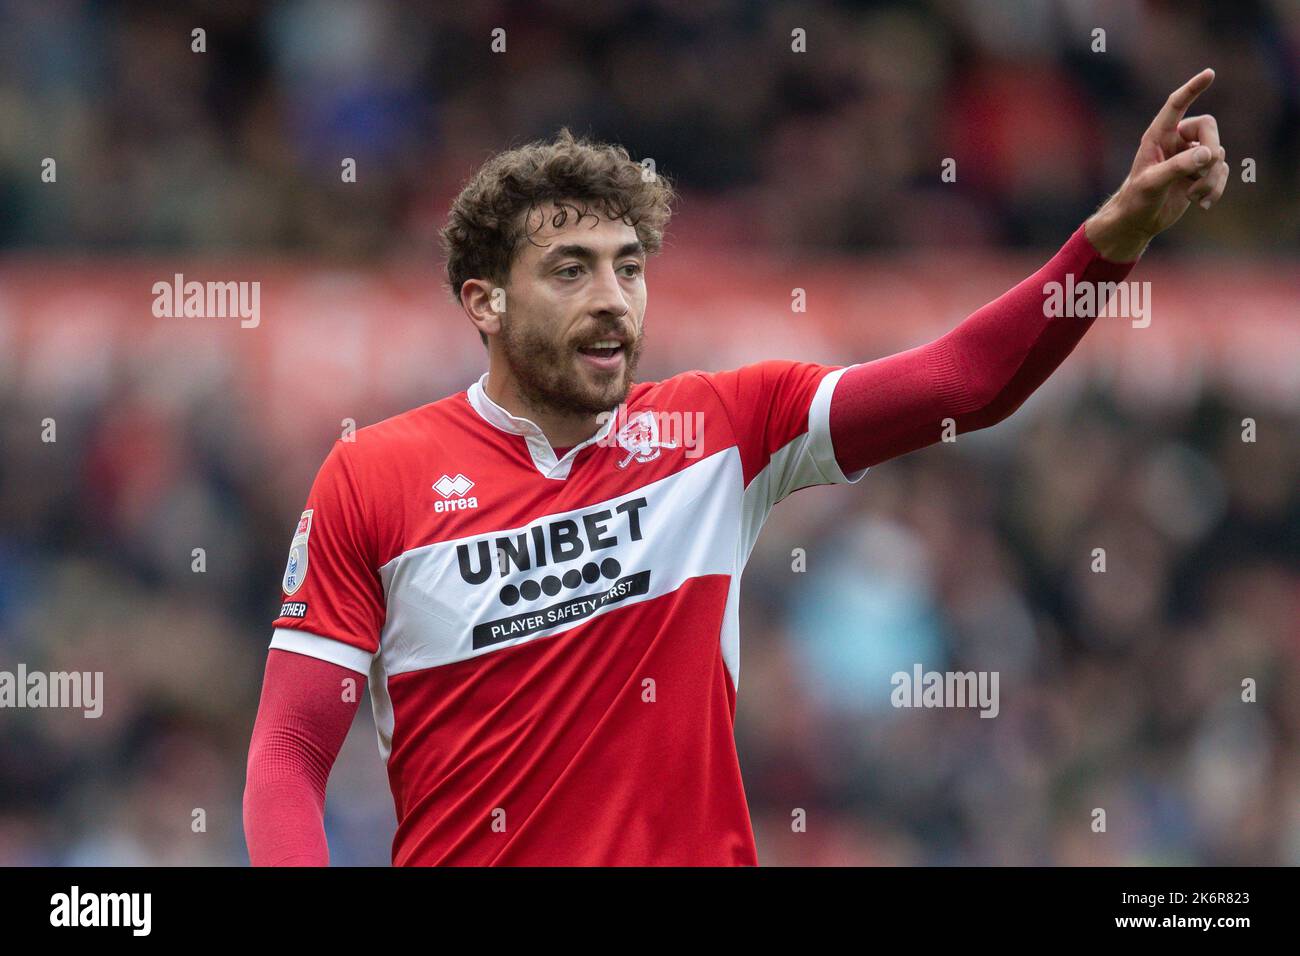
x=484 y=302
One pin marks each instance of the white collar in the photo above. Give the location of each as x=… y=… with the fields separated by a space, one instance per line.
x=538 y=446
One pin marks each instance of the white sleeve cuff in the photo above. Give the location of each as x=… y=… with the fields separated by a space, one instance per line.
x=322 y=648
x=819 y=430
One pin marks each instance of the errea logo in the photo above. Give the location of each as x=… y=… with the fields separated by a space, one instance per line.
x=453 y=492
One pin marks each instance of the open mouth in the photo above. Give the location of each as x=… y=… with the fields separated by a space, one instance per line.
x=606 y=353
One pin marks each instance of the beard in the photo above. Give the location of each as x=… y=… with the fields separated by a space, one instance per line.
x=550 y=379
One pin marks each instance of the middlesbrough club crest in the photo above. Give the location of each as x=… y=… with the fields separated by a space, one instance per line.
x=639 y=437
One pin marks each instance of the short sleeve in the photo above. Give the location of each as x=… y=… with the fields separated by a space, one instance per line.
x=333 y=598
x=779 y=412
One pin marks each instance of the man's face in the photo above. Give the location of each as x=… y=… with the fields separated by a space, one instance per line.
x=571 y=288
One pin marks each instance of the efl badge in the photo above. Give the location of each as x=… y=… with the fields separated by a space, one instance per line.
x=296 y=570
x=639 y=437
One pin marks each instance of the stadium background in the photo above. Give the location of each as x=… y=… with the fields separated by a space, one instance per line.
x=1118 y=690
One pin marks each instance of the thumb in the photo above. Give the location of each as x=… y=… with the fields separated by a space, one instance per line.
x=1187 y=163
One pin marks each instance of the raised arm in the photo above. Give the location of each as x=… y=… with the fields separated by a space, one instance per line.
x=302 y=721
x=976 y=375
x=984 y=369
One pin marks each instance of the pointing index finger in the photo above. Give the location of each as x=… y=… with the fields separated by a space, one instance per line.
x=1167 y=119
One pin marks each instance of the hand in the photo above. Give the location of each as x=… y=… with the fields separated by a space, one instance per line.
x=1179 y=161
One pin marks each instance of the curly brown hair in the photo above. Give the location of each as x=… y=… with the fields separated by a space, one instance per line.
x=488 y=219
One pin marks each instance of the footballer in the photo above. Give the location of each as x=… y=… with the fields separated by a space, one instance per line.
x=540 y=587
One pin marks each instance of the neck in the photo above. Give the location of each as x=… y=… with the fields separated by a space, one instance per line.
x=561 y=430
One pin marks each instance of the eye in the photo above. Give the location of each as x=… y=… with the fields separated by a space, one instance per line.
x=574 y=269
x=635 y=267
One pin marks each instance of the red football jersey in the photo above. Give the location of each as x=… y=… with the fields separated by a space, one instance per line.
x=552 y=643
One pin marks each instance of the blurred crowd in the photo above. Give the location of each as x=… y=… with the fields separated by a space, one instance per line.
x=1120 y=690
x=840 y=146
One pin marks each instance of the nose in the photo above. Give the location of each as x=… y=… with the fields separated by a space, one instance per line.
x=607 y=296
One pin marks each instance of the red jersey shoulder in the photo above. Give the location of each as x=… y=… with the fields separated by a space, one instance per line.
x=400 y=464
x=685 y=388
x=758 y=408
x=400 y=436
x=424 y=441
x=766 y=405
